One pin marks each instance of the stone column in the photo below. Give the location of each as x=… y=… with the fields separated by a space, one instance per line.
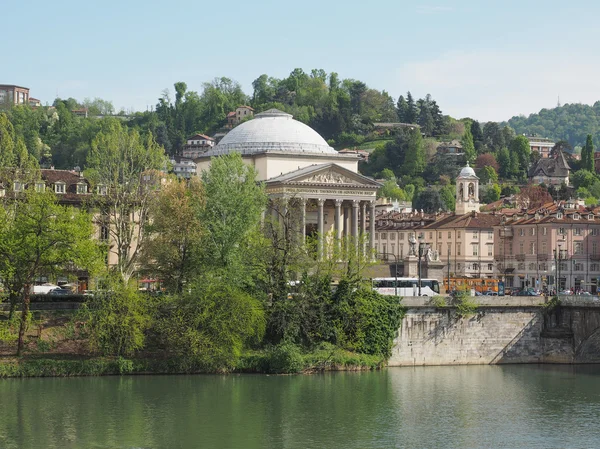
x=355 y=206
x=363 y=224
x=320 y=220
x=338 y=225
x=303 y=221
x=372 y=227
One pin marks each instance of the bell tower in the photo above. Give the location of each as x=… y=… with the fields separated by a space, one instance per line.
x=467 y=191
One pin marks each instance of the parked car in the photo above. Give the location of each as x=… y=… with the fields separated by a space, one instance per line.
x=491 y=293
x=526 y=293
x=59 y=292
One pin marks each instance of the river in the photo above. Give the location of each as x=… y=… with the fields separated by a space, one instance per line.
x=523 y=406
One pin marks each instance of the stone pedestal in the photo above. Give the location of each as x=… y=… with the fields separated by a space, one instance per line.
x=411 y=266
x=434 y=270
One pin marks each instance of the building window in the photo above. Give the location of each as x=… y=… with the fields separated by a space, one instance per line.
x=377 y=236
x=595 y=248
x=431 y=236
x=561 y=231
x=393 y=236
x=595 y=231
x=578 y=266
x=544 y=231
x=578 y=248
x=521 y=248
x=104 y=233
x=40 y=186
x=520 y=266
x=543 y=266
x=401 y=236
x=490 y=267
x=490 y=235
x=510 y=250
x=532 y=267
x=490 y=251
x=81 y=188
x=563 y=266
x=577 y=231
x=521 y=232
x=18 y=186
x=475 y=250
x=401 y=249
x=475 y=234
x=449 y=234
x=544 y=247
x=101 y=190
x=532 y=248
x=449 y=249
x=393 y=248
x=531 y=231
x=458 y=250
x=59 y=187
x=475 y=266
x=384 y=236
x=384 y=251
x=458 y=267
x=457 y=234
x=594 y=267
x=439 y=235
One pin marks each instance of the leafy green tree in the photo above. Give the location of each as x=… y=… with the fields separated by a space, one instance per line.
x=488 y=175
x=388 y=174
x=504 y=163
x=7 y=141
x=38 y=237
x=211 y=325
x=391 y=190
x=116 y=320
x=491 y=193
x=174 y=232
x=448 y=196
x=129 y=167
x=583 y=178
x=234 y=203
x=468 y=146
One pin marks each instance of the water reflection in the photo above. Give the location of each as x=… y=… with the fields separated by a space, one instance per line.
x=466 y=406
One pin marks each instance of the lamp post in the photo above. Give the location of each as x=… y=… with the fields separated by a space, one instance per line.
x=422 y=250
x=559 y=256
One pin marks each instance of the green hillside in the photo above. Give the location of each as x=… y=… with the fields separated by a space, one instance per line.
x=570 y=122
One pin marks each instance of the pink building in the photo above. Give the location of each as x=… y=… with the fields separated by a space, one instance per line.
x=526 y=244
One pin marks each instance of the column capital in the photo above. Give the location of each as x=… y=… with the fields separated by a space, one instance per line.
x=338 y=202
x=320 y=202
x=355 y=203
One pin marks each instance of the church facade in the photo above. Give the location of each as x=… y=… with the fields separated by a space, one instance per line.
x=303 y=173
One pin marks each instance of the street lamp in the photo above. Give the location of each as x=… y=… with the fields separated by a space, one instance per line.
x=422 y=252
x=559 y=256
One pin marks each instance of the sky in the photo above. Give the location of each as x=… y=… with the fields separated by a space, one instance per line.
x=484 y=59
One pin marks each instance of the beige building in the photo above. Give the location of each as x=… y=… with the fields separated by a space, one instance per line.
x=303 y=172
x=240 y=114
x=10 y=94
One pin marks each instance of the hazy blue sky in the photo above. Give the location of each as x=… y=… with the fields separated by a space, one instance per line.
x=485 y=59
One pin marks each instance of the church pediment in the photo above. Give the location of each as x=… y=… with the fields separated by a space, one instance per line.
x=324 y=174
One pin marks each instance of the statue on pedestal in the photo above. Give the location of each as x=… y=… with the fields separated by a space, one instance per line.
x=412 y=242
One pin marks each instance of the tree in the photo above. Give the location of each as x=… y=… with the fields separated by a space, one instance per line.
x=39 y=237
x=491 y=194
x=487 y=160
x=7 y=141
x=504 y=163
x=520 y=149
x=468 y=146
x=234 y=203
x=388 y=174
x=488 y=175
x=414 y=161
x=583 y=178
x=391 y=190
x=411 y=112
x=402 y=109
x=174 y=232
x=587 y=155
x=430 y=201
x=533 y=197
x=129 y=167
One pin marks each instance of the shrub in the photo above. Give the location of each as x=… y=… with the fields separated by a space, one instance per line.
x=116 y=321
x=465 y=305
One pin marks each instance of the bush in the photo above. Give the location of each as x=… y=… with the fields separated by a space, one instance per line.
x=285 y=358
x=465 y=305
x=116 y=321
x=211 y=325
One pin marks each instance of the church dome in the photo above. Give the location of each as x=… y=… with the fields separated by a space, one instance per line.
x=467 y=172
x=272 y=130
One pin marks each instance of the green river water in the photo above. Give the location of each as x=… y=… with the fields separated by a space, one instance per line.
x=429 y=407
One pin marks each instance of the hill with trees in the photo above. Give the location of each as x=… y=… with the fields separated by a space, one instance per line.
x=569 y=122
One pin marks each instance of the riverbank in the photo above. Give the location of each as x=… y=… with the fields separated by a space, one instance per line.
x=279 y=360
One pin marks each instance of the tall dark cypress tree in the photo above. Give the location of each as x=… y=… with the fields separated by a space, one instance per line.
x=587 y=155
x=401 y=109
x=411 y=113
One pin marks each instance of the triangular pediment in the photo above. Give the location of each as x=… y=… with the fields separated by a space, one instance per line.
x=324 y=174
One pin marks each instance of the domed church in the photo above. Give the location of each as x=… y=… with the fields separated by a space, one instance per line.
x=302 y=172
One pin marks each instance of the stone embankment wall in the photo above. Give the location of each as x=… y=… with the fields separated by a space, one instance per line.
x=502 y=330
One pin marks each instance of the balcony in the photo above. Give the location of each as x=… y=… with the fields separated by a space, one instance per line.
x=594 y=256
x=520 y=257
x=542 y=257
x=506 y=232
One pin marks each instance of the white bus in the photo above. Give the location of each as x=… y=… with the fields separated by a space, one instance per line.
x=406 y=286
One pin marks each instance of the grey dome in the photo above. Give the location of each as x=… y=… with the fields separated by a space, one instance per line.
x=467 y=172
x=272 y=130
